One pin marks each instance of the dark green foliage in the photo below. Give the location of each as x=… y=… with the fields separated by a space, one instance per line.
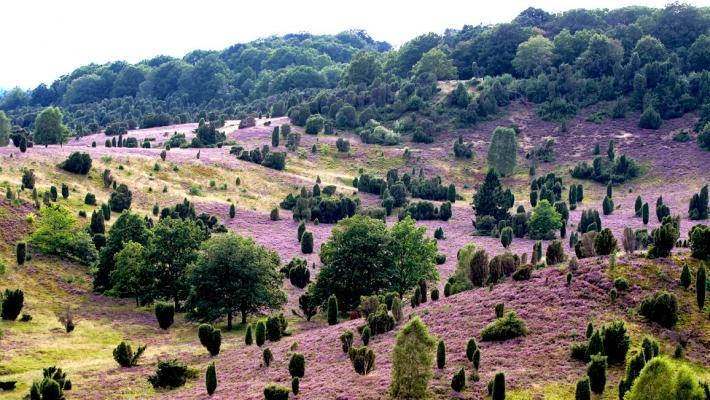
x=664 y=237
x=589 y=220
x=273 y=329
x=297 y=365
x=28 y=178
x=308 y=306
x=637 y=206
x=435 y=294
x=416 y=298
x=596 y=371
x=582 y=390
x=52 y=386
x=608 y=205
x=605 y=243
x=106 y=210
x=298 y=273
x=65 y=191
x=295 y=385
x=650 y=348
x=21 y=252
x=97 y=222
x=346 y=340
x=300 y=230
x=249 y=336
x=77 y=163
x=596 y=344
x=554 y=254
x=506 y=236
x=698 y=208
x=499 y=309
x=267 y=357
x=578 y=351
x=90 y=199
x=700 y=288
x=125 y=357
x=332 y=310
x=12 y=303
x=440 y=355
x=275 y=392
x=616 y=341
x=362 y=359
x=700 y=241
x=210 y=338
x=685 y=277
x=439 y=233
x=447 y=289
x=381 y=321
x=508 y=327
x=211 y=379
x=471 y=348
x=307 y=243
x=165 y=314
x=589 y=331
x=492 y=200
x=169 y=374
x=120 y=199
x=458 y=381
x=498 y=391
x=232 y=210
x=644 y=213
x=603 y=170
x=660 y=307
x=53 y=193
x=523 y=273
x=621 y=283
x=650 y=119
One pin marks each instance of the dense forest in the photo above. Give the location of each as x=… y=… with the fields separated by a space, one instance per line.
x=649 y=59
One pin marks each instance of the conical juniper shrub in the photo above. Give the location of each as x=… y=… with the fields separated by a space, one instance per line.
x=260 y=333
x=458 y=381
x=211 y=379
x=441 y=354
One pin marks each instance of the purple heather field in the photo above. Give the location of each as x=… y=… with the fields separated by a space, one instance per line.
x=556 y=314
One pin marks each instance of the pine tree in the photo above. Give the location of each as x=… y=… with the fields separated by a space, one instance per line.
x=638 y=205
x=232 y=210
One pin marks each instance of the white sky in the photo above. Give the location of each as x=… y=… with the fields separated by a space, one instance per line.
x=43 y=39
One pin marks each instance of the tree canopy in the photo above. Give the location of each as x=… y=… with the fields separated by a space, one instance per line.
x=234 y=274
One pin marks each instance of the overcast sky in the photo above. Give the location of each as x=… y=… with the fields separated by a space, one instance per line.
x=42 y=40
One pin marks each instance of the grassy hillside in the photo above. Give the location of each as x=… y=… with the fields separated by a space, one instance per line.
x=536 y=366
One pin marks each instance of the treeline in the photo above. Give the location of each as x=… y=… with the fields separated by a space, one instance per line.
x=651 y=60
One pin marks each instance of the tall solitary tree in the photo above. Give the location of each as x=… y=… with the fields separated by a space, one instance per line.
x=491 y=199
x=234 y=274
x=49 y=128
x=356 y=261
x=172 y=248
